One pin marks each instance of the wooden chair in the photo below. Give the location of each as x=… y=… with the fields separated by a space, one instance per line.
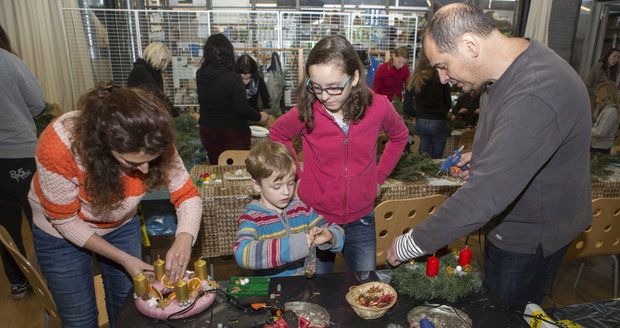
x=395 y=217
x=39 y=286
x=233 y=157
x=601 y=238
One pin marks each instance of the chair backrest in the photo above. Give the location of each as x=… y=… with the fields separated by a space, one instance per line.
x=395 y=217
x=37 y=282
x=233 y=157
x=602 y=237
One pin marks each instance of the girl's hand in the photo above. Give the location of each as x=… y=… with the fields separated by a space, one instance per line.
x=178 y=256
x=134 y=265
x=321 y=235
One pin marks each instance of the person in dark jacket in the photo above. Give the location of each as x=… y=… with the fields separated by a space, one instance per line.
x=147 y=72
x=432 y=104
x=252 y=79
x=467 y=108
x=224 y=109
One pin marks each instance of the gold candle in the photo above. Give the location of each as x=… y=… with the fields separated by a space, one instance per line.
x=180 y=291
x=140 y=284
x=200 y=267
x=160 y=268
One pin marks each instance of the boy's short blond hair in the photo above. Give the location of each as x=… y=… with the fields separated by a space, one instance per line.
x=267 y=158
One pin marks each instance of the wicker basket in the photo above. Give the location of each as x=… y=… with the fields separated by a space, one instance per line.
x=369 y=312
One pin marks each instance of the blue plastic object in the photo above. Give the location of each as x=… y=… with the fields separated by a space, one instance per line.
x=453 y=160
x=425 y=323
x=372 y=68
x=158 y=225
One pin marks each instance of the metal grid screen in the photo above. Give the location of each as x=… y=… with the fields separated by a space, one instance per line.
x=103 y=44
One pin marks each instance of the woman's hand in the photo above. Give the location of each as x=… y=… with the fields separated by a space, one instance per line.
x=134 y=265
x=178 y=256
x=264 y=117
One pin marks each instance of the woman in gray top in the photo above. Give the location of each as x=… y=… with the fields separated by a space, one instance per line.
x=20 y=100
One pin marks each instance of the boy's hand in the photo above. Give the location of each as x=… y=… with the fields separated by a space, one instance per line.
x=321 y=235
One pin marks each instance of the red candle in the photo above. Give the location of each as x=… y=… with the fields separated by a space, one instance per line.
x=432 y=266
x=465 y=256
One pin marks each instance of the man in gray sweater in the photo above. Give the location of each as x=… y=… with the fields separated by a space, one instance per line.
x=20 y=100
x=529 y=176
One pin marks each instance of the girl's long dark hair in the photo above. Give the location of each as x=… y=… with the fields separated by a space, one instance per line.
x=335 y=50
x=218 y=51
x=126 y=121
x=611 y=71
x=245 y=64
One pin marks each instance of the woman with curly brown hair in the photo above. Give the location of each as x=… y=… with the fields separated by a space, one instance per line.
x=339 y=120
x=94 y=166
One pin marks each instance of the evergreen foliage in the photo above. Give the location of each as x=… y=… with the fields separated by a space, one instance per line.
x=411 y=280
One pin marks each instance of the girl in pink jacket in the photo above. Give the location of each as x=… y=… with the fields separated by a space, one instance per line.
x=339 y=120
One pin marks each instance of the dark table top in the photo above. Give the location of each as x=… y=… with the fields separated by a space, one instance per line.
x=329 y=292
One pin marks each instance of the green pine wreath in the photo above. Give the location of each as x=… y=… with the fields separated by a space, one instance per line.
x=411 y=279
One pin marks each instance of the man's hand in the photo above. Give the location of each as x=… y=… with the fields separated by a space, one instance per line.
x=463 y=174
x=390 y=254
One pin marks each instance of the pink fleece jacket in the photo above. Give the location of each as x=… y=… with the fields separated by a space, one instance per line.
x=340 y=172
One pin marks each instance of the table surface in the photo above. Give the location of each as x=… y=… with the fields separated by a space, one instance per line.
x=329 y=292
x=224 y=201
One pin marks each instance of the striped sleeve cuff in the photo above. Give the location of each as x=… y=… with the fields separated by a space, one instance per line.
x=406 y=248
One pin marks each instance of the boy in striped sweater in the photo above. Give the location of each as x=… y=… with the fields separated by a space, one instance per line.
x=277 y=232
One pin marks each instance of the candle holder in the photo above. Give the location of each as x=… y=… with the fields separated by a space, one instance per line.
x=160 y=268
x=200 y=268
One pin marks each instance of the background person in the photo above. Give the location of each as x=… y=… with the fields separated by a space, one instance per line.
x=467 y=108
x=391 y=75
x=604 y=70
x=605 y=118
x=255 y=86
x=21 y=99
x=224 y=109
x=94 y=166
x=432 y=104
x=530 y=161
x=147 y=72
x=339 y=120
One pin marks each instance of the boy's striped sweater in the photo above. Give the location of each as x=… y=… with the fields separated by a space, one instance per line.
x=275 y=243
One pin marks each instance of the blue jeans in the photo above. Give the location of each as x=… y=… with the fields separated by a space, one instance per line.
x=433 y=135
x=359 y=249
x=514 y=279
x=68 y=270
